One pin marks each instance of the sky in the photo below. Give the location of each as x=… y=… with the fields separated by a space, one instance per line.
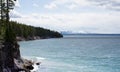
x=77 y=16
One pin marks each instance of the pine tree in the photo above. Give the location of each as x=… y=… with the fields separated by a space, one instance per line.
x=9 y=38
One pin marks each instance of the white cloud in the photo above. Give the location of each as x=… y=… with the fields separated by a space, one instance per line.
x=17 y=4
x=81 y=22
x=92 y=22
x=108 y=4
x=72 y=6
x=50 y=6
x=35 y=5
x=15 y=14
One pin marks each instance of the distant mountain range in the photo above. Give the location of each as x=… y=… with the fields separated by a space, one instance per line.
x=69 y=32
x=77 y=33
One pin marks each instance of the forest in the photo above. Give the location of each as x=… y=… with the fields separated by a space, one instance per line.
x=30 y=32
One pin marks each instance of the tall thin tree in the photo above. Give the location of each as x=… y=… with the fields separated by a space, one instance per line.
x=9 y=36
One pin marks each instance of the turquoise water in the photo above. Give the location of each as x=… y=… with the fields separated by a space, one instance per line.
x=75 y=53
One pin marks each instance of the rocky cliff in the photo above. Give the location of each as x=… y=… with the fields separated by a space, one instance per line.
x=12 y=62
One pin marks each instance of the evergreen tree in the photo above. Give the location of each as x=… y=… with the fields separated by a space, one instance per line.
x=9 y=36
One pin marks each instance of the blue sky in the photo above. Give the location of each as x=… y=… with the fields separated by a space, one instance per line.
x=83 y=16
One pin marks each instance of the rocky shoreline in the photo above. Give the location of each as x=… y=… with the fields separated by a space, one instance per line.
x=25 y=65
x=13 y=62
x=18 y=38
x=22 y=65
x=28 y=38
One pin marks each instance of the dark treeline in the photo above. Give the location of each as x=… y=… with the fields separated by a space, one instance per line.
x=30 y=32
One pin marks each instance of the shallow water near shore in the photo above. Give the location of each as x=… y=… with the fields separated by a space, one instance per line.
x=75 y=53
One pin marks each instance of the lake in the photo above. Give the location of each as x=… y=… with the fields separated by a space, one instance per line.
x=75 y=53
